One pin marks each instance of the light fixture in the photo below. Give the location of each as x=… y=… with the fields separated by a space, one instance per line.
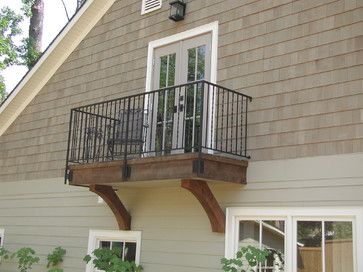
x=177 y=10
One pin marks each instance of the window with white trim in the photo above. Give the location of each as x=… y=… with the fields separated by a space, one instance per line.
x=128 y=243
x=299 y=240
x=2 y=231
x=150 y=5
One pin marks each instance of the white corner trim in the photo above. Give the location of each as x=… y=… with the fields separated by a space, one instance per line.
x=112 y=235
x=51 y=60
x=208 y=28
x=235 y=214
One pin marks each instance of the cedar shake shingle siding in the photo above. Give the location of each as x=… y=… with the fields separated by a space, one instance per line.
x=301 y=61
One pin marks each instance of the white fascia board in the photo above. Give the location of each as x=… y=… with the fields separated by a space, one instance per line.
x=66 y=42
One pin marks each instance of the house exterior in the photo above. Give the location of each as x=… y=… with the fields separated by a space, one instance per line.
x=191 y=188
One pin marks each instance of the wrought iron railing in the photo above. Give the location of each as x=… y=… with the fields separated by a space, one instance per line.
x=194 y=117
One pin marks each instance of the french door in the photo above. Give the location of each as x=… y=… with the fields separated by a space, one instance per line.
x=177 y=110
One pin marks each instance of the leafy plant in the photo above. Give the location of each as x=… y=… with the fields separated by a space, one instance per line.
x=247 y=258
x=4 y=254
x=109 y=260
x=55 y=259
x=26 y=259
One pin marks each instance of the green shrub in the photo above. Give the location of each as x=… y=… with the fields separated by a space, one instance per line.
x=26 y=258
x=247 y=258
x=108 y=260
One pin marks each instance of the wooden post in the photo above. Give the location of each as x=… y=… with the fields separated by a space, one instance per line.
x=108 y=194
x=201 y=190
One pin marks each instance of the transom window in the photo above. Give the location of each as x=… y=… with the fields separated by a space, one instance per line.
x=128 y=243
x=299 y=240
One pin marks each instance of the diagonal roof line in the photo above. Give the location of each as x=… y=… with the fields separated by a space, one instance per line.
x=53 y=57
x=44 y=52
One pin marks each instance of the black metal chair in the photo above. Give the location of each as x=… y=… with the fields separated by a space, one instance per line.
x=127 y=132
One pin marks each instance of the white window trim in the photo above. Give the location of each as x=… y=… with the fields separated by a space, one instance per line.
x=143 y=11
x=291 y=215
x=2 y=234
x=110 y=235
x=204 y=29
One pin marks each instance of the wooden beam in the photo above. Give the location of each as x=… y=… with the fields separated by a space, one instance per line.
x=108 y=194
x=170 y=167
x=201 y=190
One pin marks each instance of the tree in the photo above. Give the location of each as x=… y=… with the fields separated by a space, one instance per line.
x=30 y=49
x=32 y=46
x=9 y=29
x=80 y=3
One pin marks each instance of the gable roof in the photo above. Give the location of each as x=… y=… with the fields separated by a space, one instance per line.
x=54 y=56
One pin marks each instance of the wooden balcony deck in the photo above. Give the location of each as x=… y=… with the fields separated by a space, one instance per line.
x=158 y=170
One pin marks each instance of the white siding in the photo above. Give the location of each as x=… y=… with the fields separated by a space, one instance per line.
x=176 y=234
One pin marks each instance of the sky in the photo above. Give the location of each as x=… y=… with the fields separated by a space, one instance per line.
x=54 y=20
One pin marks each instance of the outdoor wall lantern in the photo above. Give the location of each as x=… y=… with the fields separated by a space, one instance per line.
x=177 y=10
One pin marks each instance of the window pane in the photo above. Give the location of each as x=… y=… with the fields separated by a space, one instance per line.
x=105 y=244
x=249 y=234
x=309 y=239
x=338 y=247
x=119 y=247
x=273 y=239
x=130 y=252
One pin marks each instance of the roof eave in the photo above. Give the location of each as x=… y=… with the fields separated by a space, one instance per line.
x=64 y=44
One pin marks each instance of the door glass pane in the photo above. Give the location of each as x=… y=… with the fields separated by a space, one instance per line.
x=201 y=62
x=171 y=70
x=196 y=71
x=166 y=102
x=309 y=251
x=191 y=64
x=163 y=71
x=338 y=247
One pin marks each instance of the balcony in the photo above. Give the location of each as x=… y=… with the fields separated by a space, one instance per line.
x=196 y=130
x=191 y=134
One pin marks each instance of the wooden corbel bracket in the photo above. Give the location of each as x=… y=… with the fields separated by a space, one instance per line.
x=201 y=190
x=107 y=193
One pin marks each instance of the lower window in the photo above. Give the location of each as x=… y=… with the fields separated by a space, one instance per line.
x=298 y=240
x=127 y=243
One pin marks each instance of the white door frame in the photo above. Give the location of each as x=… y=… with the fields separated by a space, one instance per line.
x=204 y=29
x=211 y=28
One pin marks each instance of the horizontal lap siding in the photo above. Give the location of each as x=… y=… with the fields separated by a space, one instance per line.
x=176 y=233
x=44 y=214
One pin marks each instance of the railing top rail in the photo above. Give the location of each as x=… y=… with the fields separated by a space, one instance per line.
x=162 y=89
